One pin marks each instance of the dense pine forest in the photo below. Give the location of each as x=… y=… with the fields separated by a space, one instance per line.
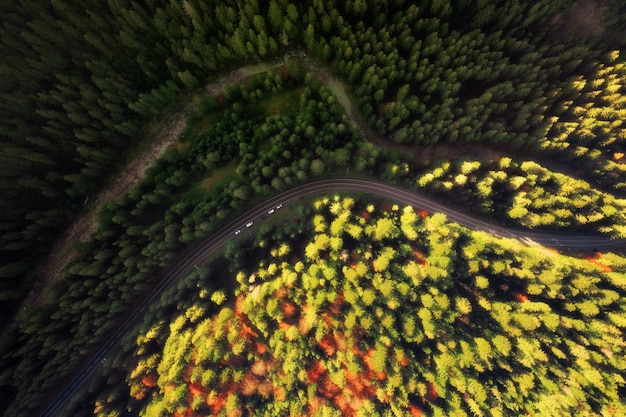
x=512 y=110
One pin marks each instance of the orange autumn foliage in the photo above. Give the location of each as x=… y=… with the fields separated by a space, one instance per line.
x=247 y=332
x=328 y=320
x=216 y=402
x=315 y=373
x=315 y=404
x=327 y=388
x=415 y=410
x=265 y=388
x=149 y=381
x=522 y=298
x=328 y=345
x=344 y=404
x=239 y=306
x=169 y=387
x=358 y=388
x=260 y=347
x=596 y=261
x=197 y=389
x=289 y=309
x=249 y=384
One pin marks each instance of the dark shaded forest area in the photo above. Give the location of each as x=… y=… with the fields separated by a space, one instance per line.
x=79 y=81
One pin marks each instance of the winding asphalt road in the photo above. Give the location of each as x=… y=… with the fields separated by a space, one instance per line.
x=320 y=187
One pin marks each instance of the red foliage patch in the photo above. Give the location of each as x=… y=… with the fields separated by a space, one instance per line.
x=336 y=305
x=239 y=306
x=596 y=261
x=260 y=347
x=279 y=393
x=340 y=339
x=289 y=309
x=403 y=359
x=304 y=325
x=314 y=405
x=328 y=345
x=197 y=389
x=344 y=404
x=327 y=388
x=431 y=393
x=348 y=399
x=247 y=332
x=328 y=320
x=415 y=410
x=365 y=215
x=358 y=387
x=522 y=298
x=216 y=402
x=265 y=388
x=149 y=381
x=249 y=384
x=316 y=372
x=423 y=213
x=168 y=388
x=419 y=257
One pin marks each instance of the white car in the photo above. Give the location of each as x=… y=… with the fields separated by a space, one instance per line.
x=278 y=207
x=237 y=231
x=249 y=224
x=270 y=211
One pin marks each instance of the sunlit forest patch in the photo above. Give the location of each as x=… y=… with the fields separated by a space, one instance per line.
x=386 y=312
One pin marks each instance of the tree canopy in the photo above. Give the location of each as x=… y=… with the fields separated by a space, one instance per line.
x=441 y=330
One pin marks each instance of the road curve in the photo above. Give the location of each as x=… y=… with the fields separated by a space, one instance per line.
x=319 y=187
